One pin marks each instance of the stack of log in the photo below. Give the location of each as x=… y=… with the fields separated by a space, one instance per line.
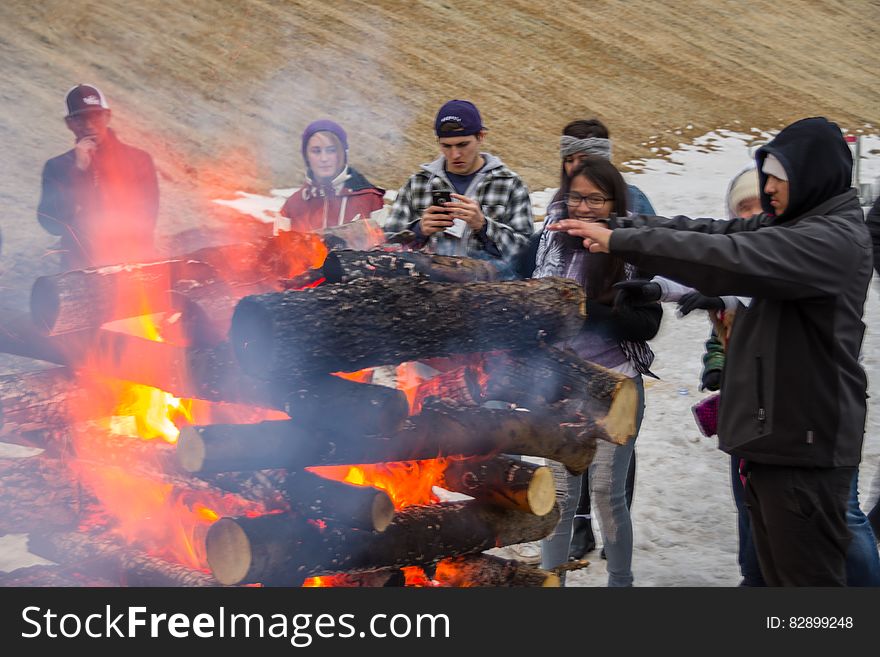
x=280 y=349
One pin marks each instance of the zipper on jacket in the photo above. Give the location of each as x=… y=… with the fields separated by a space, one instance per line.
x=762 y=412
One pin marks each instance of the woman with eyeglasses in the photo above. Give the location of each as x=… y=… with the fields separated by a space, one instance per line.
x=614 y=337
x=334 y=192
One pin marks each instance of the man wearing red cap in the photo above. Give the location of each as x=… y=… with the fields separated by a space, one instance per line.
x=102 y=196
x=489 y=214
x=334 y=192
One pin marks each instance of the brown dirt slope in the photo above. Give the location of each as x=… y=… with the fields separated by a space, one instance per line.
x=219 y=92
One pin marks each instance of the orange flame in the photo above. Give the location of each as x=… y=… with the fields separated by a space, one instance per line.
x=406 y=482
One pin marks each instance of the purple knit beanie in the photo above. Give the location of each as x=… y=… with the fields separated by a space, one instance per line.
x=324 y=125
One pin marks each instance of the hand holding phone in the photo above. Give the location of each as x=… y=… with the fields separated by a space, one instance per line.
x=439 y=197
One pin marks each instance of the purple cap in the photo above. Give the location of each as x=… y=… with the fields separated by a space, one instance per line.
x=323 y=125
x=85 y=98
x=458 y=118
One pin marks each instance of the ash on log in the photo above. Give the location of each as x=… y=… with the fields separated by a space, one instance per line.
x=278 y=549
x=345 y=266
x=88 y=298
x=368 y=322
x=104 y=557
x=504 y=482
x=437 y=431
x=361 y=507
x=361 y=234
x=487 y=570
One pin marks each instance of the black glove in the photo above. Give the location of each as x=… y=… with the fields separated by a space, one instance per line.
x=711 y=380
x=694 y=300
x=636 y=292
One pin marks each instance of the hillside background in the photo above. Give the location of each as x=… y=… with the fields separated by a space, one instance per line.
x=219 y=92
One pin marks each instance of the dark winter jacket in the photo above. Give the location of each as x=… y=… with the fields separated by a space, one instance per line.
x=873 y=220
x=313 y=207
x=105 y=214
x=794 y=392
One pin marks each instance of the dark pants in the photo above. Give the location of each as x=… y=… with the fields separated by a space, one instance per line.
x=799 y=523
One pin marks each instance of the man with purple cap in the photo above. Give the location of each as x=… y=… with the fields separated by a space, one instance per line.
x=334 y=192
x=102 y=196
x=488 y=212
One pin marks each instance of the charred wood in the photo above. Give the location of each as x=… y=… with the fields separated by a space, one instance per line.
x=284 y=550
x=317 y=498
x=39 y=494
x=36 y=400
x=88 y=298
x=487 y=570
x=537 y=380
x=104 y=557
x=345 y=266
x=343 y=328
x=52 y=576
x=438 y=431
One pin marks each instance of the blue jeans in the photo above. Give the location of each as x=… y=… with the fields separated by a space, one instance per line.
x=862 y=558
x=608 y=493
x=746 y=555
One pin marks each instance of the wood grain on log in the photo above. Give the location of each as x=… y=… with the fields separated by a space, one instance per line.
x=36 y=400
x=503 y=481
x=368 y=322
x=280 y=549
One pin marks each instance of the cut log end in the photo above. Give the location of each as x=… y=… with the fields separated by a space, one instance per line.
x=251 y=336
x=190 y=450
x=620 y=423
x=229 y=551
x=541 y=494
x=382 y=512
x=45 y=303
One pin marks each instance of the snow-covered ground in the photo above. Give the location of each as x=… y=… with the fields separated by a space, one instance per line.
x=683 y=513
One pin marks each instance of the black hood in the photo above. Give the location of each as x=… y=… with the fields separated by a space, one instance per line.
x=817 y=160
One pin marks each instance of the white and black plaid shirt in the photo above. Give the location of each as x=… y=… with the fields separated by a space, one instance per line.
x=501 y=194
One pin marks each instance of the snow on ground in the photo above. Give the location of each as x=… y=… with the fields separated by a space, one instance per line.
x=683 y=514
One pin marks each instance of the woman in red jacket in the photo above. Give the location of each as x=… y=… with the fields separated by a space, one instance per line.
x=334 y=192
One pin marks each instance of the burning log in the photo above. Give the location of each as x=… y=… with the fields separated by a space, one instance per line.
x=346 y=266
x=39 y=494
x=361 y=234
x=280 y=549
x=20 y=336
x=106 y=558
x=546 y=375
x=343 y=328
x=361 y=507
x=459 y=386
x=88 y=298
x=487 y=570
x=338 y=405
x=36 y=400
x=205 y=311
x=437 y=431
x=51 y=576
x=505 y=482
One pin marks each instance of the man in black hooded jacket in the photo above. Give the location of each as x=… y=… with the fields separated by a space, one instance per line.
x=795 y=394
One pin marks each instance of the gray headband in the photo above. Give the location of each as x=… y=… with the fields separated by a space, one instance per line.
x=590 y=145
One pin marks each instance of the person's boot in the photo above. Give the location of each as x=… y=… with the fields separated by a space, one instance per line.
x=582 y=539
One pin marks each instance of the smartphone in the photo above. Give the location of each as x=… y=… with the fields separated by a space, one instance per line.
x=439 y=197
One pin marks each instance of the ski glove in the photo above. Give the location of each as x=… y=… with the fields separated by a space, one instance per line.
x=694 y=300
x=636 y=292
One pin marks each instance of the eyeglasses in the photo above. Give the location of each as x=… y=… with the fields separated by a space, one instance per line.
x=594 y=201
